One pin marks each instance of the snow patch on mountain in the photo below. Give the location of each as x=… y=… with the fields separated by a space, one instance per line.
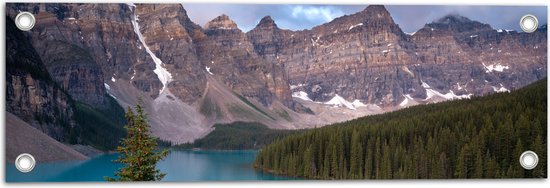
x=357 y=103
x=451 y=95
x=353 y=26
x=497 y=67
x=339 y=101
x=408 y=99
x=301 y=95
x=296 y=86
x=109 y=90
x=505 y=30
x=501 y=89
x=336 y=101
x=133 y=76
x=208 y=70
x=164 y=76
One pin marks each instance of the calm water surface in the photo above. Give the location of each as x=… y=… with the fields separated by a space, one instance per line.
x=179 y=165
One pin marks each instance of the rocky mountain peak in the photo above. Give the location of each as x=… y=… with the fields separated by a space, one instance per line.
x=457 y=23
x=376 y=12
x=375 y=8
x=266 y=21
x=453 y=19
x=375 y=17
x=221 y=22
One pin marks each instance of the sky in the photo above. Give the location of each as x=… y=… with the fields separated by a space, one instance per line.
x=409 y=17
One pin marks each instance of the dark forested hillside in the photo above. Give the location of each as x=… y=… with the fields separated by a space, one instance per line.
x=100 y=128
x=481 y=137
x=238 y=136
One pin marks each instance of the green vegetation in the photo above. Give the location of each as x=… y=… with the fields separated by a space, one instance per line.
x=284 y=114
x=478 y=138
x=100 y=128
x=208 y=108
x=253 y=106
x=137 y=150
x=238 y=136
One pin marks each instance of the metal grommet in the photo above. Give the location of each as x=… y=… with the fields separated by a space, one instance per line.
x=25 y=162
x=529 y=23
x=25 y=21
x=528 y=160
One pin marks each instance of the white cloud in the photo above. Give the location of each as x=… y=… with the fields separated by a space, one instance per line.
x=314 y=13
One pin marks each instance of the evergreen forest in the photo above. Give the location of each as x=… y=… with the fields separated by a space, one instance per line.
x=482 y=137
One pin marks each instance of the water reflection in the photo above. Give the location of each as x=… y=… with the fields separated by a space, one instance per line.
x=179 y=165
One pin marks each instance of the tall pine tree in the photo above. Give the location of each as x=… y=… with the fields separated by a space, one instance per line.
x=137 y=150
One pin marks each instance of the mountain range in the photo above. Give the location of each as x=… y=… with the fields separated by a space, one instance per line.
x=190 y=77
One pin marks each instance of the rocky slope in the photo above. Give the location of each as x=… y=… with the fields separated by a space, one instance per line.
x=191 y=77
x=23 y=138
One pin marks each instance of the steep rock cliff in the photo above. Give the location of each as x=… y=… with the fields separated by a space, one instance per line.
x=31 y=94
x=366 y=58
x=229 y=56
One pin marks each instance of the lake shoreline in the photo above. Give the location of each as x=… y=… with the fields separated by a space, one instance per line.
x=202 y=165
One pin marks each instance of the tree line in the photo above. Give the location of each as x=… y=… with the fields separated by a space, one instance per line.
x=238 y=136
x=481 y=137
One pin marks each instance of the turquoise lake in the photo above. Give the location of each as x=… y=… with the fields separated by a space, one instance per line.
x=179 y=165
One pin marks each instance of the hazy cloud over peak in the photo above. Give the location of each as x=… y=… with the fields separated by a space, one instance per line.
x=316 y=13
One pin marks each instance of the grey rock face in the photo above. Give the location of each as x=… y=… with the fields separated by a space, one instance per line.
x=76 y=72
x=230 y=57
x=31 y=94
x=169 y=33
x=104 y=31
x=366 y=56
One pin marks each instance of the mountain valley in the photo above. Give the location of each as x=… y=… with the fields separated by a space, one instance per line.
x=191 y=77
